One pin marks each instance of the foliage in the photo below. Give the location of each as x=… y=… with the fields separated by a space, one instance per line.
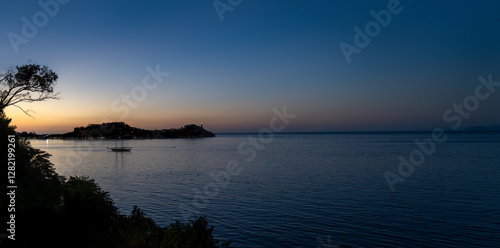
x=194 y=233
x=26 y=83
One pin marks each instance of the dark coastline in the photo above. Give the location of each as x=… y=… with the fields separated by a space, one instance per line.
x=120 y=130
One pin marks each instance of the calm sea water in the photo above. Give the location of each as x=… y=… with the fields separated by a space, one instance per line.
x=306 y=190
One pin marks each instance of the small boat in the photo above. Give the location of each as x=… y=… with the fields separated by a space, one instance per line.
x=120 y=148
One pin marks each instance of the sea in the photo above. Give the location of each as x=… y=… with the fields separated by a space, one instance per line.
x=306 y=189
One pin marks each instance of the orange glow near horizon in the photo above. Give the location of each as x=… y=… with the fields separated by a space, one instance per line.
x=60 y=117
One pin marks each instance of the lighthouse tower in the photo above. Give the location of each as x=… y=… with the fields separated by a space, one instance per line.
x=201 y=125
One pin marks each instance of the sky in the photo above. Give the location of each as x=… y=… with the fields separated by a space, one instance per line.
x=230 y=66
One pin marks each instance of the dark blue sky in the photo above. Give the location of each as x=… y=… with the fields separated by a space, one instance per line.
x=230 y=74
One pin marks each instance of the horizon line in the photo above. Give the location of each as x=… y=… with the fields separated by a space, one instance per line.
x=330 y=132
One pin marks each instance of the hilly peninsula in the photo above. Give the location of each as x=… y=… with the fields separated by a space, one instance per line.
x=121 y=130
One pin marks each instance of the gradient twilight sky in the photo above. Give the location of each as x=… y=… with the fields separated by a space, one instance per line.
x=230 y=74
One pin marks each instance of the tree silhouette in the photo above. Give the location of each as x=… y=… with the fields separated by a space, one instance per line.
x=27 y=83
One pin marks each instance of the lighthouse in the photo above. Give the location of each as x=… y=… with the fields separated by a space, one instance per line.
x=201 y=125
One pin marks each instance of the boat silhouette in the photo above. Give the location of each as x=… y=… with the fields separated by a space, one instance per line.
x=120 y=148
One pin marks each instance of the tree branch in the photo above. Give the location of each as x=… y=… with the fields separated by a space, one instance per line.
x=27 y=83
x=26 y=112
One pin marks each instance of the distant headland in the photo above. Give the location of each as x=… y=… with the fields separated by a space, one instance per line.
x=121 y=130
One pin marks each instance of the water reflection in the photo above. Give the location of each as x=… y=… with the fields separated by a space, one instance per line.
x=119 y=158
